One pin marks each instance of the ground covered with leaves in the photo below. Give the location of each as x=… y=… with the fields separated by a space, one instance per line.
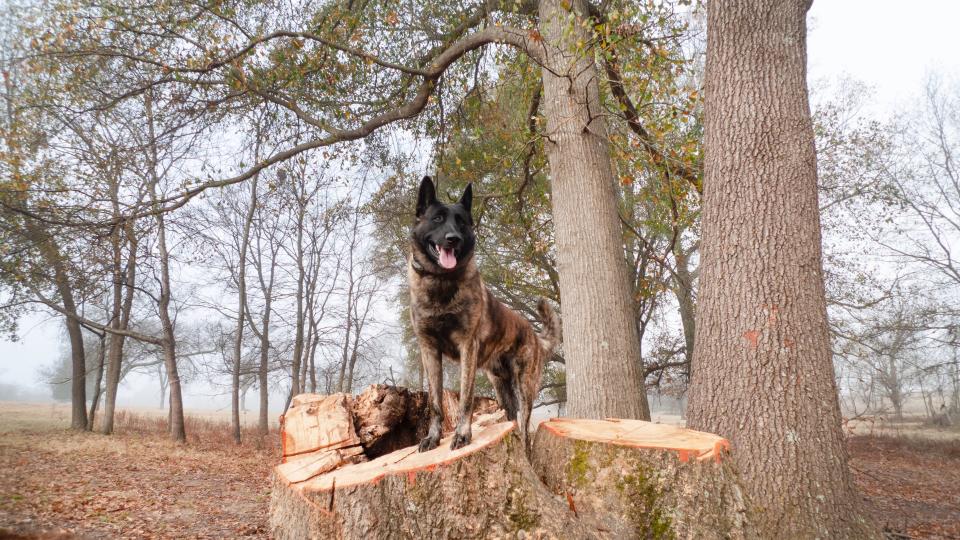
x=911 y=484
x=55 y=483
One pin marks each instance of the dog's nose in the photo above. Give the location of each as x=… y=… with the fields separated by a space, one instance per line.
x=453 y=239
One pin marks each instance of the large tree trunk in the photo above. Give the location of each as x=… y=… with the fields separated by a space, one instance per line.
x=601 y=345
x=762 y=373
x=347 y=472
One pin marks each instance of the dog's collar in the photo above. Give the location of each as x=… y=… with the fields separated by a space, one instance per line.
x=417 y=267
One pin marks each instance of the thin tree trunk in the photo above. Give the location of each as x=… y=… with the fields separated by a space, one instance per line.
x=263 y=424
x=601 y=345
x=683 y=290
x=123 y=291
x=296 y=387
x=168 y=340
x=893 y=384
x=177 y=425
x=101 y=355
x=956 y=382
x=312 y=358
x=763 y=374
x=78 y=391
x=348 y=383
x=345 y=359
x=161 y=375
x=242 y=304
x=263 y=371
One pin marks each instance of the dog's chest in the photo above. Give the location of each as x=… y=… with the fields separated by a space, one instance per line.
x=442 y=312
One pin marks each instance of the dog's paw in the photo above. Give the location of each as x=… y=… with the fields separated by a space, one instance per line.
x=429 y=443
x=459 y=441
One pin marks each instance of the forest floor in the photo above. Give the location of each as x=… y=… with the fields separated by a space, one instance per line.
x=55 y=483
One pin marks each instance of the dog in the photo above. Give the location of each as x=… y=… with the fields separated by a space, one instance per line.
x=456 y=317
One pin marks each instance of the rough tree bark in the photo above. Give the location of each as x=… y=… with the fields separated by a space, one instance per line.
x=601 y=345
x=348 y=473
x=762 y=373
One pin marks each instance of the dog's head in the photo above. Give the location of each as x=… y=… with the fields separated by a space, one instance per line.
x=443 y=233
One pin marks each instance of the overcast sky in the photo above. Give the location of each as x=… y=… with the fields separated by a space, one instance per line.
x=890 y=46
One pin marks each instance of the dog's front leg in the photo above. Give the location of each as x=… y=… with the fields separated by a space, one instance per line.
x=430 y=357
x=468 y=372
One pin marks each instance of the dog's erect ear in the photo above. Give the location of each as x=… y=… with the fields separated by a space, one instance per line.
x=467 y=199
x=427 y=195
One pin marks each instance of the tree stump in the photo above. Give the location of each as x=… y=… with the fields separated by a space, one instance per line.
x=351 y=470
x=642 y=479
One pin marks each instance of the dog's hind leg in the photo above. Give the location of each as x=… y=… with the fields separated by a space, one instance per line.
x=432 y=366
x=502 y=387
x=524 y=407
x=468 y=375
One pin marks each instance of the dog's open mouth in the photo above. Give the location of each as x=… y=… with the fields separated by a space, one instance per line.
x=447 y=257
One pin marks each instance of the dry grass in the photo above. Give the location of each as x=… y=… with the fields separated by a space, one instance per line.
x=136 y=483
x=909 y=427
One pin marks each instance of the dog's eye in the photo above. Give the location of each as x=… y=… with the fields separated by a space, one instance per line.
x=438 y=219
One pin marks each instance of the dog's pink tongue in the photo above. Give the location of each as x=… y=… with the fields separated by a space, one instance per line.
x=447 y=259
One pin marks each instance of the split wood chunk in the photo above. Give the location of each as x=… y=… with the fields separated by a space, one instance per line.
x=316 y=422
x=583 y=479
x=317 y=436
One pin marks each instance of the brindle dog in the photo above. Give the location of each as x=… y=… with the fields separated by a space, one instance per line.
x=456 y=317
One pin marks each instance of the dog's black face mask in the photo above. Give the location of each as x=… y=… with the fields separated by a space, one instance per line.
x=444 y=232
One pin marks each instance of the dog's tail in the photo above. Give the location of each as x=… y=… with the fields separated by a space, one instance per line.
x=552 y=333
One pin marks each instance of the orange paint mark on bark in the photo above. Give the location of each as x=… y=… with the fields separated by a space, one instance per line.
x=752 y=336
x=684 y=456
x=412 y=478
x=789 y=342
